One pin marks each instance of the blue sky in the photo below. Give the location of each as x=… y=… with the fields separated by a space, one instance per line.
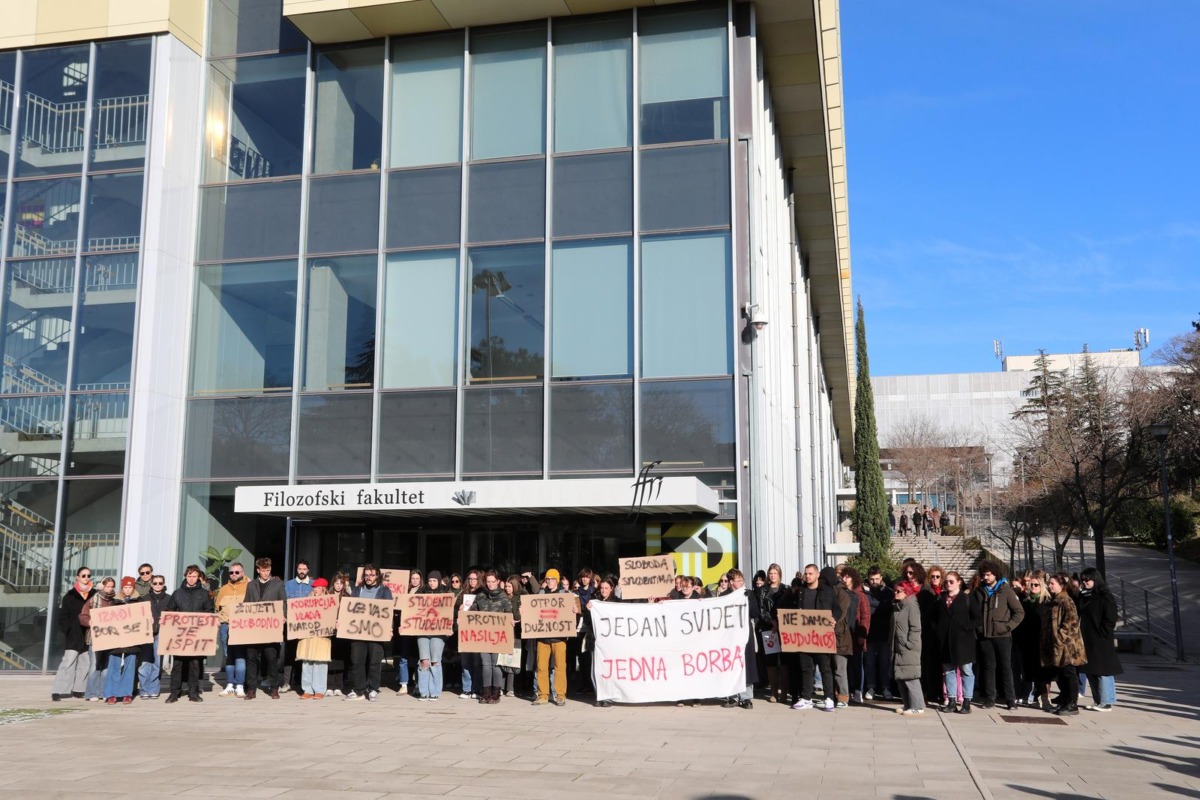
x=1019 y=170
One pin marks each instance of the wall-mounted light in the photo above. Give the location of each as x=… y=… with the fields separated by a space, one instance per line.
x=756 y=320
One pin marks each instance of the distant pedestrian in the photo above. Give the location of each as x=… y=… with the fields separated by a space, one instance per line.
x=891 y=519
x=903 y=523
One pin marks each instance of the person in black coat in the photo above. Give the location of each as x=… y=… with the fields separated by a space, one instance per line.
x=1097 y=620
x=71 y=678
x=192 y=597
x=737 y=583
x=957 y=616
x=878 y=661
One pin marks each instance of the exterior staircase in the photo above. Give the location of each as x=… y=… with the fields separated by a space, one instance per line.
x=945 y=551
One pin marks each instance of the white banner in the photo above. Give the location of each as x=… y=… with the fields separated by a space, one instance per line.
x=675 y=650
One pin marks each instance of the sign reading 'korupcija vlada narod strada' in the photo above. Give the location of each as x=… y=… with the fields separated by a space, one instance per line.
x=599 y=495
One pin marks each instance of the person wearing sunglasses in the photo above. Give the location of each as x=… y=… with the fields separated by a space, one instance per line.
x=928 y=600
x=957 y=618
x=228 y=597
x=149 y=671
x=1035 y=680
x=142 y=586
x=71 y=678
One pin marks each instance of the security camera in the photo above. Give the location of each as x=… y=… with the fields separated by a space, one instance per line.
x=755 y=316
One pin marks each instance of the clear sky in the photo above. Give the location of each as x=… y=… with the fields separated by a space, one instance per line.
x=1024 y=170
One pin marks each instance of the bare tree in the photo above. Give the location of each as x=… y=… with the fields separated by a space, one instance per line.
x=911 y=450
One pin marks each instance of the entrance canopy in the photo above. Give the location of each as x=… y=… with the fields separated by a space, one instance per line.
x=612 y=496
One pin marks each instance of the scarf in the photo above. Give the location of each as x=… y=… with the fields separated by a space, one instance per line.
x=991 y=590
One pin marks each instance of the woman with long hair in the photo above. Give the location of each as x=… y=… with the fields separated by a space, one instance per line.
x=430 y=648
x=339 y=651
x=958 y=617
x=512 y=589
x=769 y=594
x=1034 y=681
x=928 y=600
x=1062 y=643
x=1097 y=619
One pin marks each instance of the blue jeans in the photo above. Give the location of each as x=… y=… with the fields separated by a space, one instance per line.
x=150 y=675
x=235 y=657
x=429 y=681
x=121 y=669
x=314 y=676
x=402 y=670
x=467 y=685
x=1104 y=689
x=95 y=682
x=953 y=676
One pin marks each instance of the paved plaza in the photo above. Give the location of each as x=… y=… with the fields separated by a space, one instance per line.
x=1148 y=747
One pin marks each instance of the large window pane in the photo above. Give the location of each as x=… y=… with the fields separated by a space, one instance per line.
x=427 y=87
x=507 y=201
x=254 y=127
x=506 y=330
x=502 y=430
x=104 y=344
x=685 y=187
x=688 y=424
x=256 y=220
x=339 y=350
x=343 y=214
x=24 y=614
x=121 y=104
x=245 y=329
x=508 y=92
x=99 y=427
x=37 y=325
x=250 y=26
x=8 y=88
x=420 y=319
x=592 y=64
x=592 y=310
x=54 y=86
x=424 y=207
x=45 y=217
x=684 y=75
x=685 y=306
x=114 y=216
x=349 y=108
x=32 y=435
x=416 y=433
x=335 y=435
x=593 y=194
x=591 y=427
x=238 y=437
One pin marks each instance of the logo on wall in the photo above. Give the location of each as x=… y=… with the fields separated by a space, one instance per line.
x=645 y=488
x=703 y=549
x=463 y=498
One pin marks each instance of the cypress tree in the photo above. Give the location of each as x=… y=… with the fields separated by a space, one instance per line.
x=870 y=498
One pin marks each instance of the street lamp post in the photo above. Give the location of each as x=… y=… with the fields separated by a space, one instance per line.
x=991 y=523
x=1160 y=431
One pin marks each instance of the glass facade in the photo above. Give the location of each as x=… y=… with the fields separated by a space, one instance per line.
x=72 y=160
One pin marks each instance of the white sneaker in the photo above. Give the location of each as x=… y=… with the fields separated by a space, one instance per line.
x=335 y=693
x=351 y=695
x=841 y=704
x=870 y=695
x=802 y=704
x=403 y=689
x=829 y=704
x=372 y=696
x=230 y=689
x=241 y=691
x=909 y=712
x=469 y=696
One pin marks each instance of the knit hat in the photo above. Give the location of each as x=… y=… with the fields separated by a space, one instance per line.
x=552 y=573
x=320 y=583
x=128 y=581
x=433 y=575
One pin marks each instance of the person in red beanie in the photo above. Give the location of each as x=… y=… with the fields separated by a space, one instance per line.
x=314 y=655
x=122 y=662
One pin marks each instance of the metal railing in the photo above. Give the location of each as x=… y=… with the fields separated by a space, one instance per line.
x=59 y=127
x=121 y=121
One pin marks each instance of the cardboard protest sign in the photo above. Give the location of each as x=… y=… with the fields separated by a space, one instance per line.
x=427 y=614
x=256 y=623
x=548 y=616
x=187 y=633
x=365 y=619
x=122 y=625
x=309 y=617
x=682 y=650
x=395 y=579
x=512 y=659
x=807 y=631
x=485 y=632
x=646 y=577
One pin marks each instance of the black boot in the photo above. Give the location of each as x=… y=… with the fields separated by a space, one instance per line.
x=965 y=709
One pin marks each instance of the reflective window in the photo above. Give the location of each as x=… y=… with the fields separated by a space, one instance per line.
x=508 y=92
x=114 y=213
x=420 y=319
x=250 y=26
x=31 y=437
x=107 y=308
x=37 y=329
x=54 y=87
x=502 y=430
x=688 y=424
x=8 y=82
x=424 y=207
x=257 y=220
x=34 y=501
x=245 y=328
x=339 y=350
x=348 y=127
x=592 y=309
x=685 y=306
x=592 y=64
x=427 y=87
x=254 y=127
x=683 y=75
x=506 y=329
x=593 y=194
x=685 y=187
x=121 y=104
x=416 y=433
x=335 y=435
x=45 y=217
x=591 y=427
x=99 y=427
x=238 y=437
x=343 y=214
x=507 y=201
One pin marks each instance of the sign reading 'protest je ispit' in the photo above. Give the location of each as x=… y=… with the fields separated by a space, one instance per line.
x=485 y=632
x=257 y=623
x=644 y=577
x=807 y=631
x=122 y=625
x=309 y=617
x=191 y=634
x=548 y=616
x=427 y=614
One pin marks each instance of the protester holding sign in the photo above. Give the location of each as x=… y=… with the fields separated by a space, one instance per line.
x=366 y=658
x=191 y=597
x=149 y=673
x=229 y=597
x=555 y=647
x=512 y=670
x=299 y=586
x=266 y=587
x=737 y=584
x=469 y=662
x=340 y=651
x=314 y=654
x=122 y=661
x=404 y=647
x=606 y=593
x=493 y=599
x=815 y=596
x=101 y=598
x=430 y=648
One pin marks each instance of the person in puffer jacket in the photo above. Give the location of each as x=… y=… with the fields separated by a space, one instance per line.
x=491 y=597
x=194 y=598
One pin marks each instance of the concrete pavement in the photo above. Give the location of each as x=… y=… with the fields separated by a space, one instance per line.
x=399 y=748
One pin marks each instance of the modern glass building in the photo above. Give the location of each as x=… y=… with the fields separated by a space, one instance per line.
x=431 y=283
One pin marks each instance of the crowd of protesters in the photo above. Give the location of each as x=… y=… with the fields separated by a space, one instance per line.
x=928 y=639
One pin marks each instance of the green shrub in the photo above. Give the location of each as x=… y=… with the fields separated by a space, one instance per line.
x=972 y=543
x=889 y=565
x=1142 y=521
x=952 y=530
